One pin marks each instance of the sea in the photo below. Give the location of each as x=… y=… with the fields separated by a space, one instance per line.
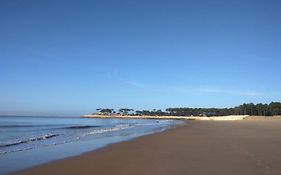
x=27 y=141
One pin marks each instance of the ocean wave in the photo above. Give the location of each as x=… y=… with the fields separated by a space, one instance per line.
x=80 y=127
x=29 y=140
x=115 y=128
x=23 y=126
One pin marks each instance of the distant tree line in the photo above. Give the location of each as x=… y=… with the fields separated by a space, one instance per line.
x=274 y=108
x=108 y=111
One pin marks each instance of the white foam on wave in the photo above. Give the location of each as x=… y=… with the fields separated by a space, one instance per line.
x=32 y=139
x=112 y=129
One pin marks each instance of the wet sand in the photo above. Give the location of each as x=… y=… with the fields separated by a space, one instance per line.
x=247 y=147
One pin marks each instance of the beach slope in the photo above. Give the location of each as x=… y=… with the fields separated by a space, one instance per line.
x=246 y=147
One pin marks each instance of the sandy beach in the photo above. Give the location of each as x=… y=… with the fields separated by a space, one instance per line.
x=229 y=117
x=246 y=147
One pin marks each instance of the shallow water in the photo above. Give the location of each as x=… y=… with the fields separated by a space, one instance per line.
x=27 y=141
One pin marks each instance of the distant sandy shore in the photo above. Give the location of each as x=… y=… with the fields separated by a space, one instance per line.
x=244 y=147
x=230 y=117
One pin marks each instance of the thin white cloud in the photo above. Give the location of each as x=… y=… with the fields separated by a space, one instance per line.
x=149 y=87
x=233 y=92
x=186 y=90
x=134 y=83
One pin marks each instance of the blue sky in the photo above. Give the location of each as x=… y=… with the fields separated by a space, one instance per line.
x=71 y=57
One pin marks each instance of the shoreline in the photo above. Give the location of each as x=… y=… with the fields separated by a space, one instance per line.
x=107 y=146
x=222 y=118
x=197 y=147
x=76 y=138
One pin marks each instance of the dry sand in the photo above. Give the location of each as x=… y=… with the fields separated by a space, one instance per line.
x=247 y=147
